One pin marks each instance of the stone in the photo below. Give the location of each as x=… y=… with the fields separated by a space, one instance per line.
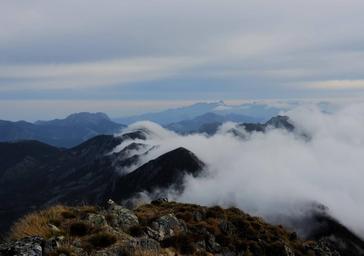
x=159 y=201
x=29 y=246
x=96 y=220
x=322 y=248
x=141 y=246
x=165 y=227
x=197 y=216
x=144 y=244
x=54 y=228
x=120 y=217
x=212 y=245
x=227 y=227
x=52 y=244
x=288 y=251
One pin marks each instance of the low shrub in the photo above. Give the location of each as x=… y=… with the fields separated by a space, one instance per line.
x=79 y=229
x=136 y=231
x=101 y=240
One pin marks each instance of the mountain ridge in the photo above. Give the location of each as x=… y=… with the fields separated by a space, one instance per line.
x=89 y=172
x=260 y=111
x=67 y=132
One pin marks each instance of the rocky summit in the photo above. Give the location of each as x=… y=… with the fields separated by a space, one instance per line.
x=158 y=228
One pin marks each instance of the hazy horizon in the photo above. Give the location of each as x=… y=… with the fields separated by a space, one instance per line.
x=124 y=57
x=32 y=110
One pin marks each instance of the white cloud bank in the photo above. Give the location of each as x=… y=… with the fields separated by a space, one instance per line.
x=278 y=172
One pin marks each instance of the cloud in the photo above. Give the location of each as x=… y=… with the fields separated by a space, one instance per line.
x=280 y=172
x=90 y=74
x=336 y=84
x=249 y=48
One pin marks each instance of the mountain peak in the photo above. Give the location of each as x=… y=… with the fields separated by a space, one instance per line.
x=87 y=117
x=161 y=173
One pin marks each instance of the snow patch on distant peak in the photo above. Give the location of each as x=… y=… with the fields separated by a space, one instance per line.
x=222 y=108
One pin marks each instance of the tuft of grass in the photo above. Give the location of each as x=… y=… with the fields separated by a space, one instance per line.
x=87 y=209
x=68 y=214
x=140 y=253
x=37 y=224
x=79 y=228
x=183 y=243
x=101 y=240
x=63 y=250
x=136 y=231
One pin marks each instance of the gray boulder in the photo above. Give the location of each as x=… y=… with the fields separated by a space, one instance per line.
x=29 y=246
x=120 y=217
x=165 y=227
x=141 y=246
x=96 y=220
x=52 y=244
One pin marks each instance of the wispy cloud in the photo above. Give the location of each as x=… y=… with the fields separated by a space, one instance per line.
x=90 y=74
x=336 y=84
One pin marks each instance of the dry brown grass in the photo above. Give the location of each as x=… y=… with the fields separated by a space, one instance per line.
x=37 y=224
x=249 y=234
x=143 y=253
x=66 y=250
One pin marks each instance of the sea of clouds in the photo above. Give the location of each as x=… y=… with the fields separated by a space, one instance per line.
x=277 y=172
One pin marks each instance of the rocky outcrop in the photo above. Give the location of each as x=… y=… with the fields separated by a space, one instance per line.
x=160 y=228
x=120 y=217
x=165 y=227
x=28 y=246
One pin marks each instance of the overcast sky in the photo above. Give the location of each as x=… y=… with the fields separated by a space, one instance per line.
x=130 y=56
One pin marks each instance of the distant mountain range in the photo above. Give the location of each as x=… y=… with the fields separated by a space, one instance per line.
x=254 y=111
x=199 y=123
x=210 y=123
x=68 y=132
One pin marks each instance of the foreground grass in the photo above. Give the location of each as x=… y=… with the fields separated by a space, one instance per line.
x=230 y=228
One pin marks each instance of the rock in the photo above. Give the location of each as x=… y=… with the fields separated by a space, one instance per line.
x=52 y=244
x=227 y=252
x=79 y=252
x=29 y=246
x=200 y=245
x=96 y=220
x=165 y=227
x=197 y=216
x=159 y=201
x=77 y=242
x=54 y=228
x=142 y=246
x=120 y=217
x=212 y=245
x=322 y=248
x=288 y=251
x=227 y=227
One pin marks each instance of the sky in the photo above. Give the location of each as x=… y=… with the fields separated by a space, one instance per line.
x=132 y=56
